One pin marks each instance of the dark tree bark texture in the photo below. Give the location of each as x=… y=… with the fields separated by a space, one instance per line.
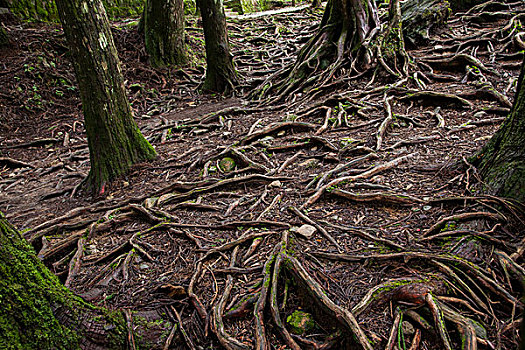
x=164 y=32
x=502 y=160
x=38 y=312
x=4 y=38
x=419 y=17
x=221 y=75
x=346 y=29
x=115 y=142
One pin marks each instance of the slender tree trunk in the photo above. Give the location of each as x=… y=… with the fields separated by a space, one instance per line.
x=502 y=160
x=115 y=142
x=164 y=32
x=4 y=38
x=38 y=312
x=220 y=72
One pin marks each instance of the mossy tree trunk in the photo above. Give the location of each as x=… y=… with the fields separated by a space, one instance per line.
x=38 y=312
x=502 y=161
x=4 y=38
x=114 y=140
x=346 y=30
x=221 y=75
x=164 y=32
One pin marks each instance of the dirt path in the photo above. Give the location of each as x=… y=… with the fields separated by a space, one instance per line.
x=368 y=187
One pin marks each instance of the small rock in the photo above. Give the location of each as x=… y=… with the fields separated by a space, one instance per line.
x=311 y=163
x=407 y=328
x=150 y=202
x=480 y=114
x=306 y=231
x=267 y=141
x=276 y=183
x=200 y=131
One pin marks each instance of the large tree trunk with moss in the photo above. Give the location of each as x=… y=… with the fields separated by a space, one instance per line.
x=502 y=160
x=420 y=17
x=164 y=32
x=221 y=75
x=114 y=140
x=38 y=312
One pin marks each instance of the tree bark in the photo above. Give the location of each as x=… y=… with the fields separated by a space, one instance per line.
x=221 y=75
x=164 y=32
x=4 y=38
x=502 y=161
x=348 y=24
x=420 y=17
x=114 y=140
x=38 y=312
x=346 y=30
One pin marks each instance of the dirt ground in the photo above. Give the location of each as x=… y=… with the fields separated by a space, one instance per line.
x=190 y=239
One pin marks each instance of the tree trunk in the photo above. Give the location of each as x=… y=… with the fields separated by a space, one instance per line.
x=114 y=140
x=502 y=161
x=347 y=24
x=419 y=17
x=164 y=32
x=220 y=72
x=38 y=312
x=4 y=38
x=343 y=38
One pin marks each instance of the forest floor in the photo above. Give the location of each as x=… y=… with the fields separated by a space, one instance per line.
x=381 y=215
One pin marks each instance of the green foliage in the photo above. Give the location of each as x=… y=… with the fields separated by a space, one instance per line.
x=46 y=11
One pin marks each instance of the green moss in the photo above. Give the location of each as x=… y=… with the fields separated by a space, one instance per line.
x=38 y=312
x=46 y=11
x=300 y=322
x=227 y=164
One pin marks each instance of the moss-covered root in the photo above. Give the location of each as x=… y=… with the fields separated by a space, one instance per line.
x=38 y=312
x=345 y=317
x=437 y=314
x=4 y=38
x=261 y=342
x=274 y=305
